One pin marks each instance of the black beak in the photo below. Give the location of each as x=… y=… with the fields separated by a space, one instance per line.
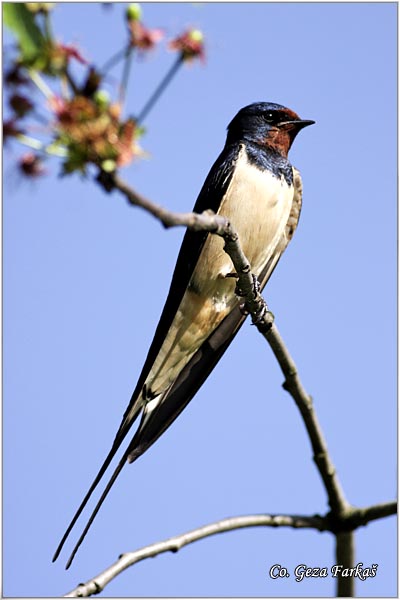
x=298 y=123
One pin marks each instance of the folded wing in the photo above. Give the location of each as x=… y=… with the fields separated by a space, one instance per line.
x=196 y=371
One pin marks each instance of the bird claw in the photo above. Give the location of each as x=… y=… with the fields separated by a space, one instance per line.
x=258 y=318
x=239 y=292
x=262 y=311
x=256 y=285
x=243 y=309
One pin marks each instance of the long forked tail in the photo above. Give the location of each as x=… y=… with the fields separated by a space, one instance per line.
x=184 y=388
x=95 y=483
x=108 y=487
x=127 y=422
x=177 y=397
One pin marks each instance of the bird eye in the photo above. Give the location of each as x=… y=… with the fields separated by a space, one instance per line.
x=269 y=117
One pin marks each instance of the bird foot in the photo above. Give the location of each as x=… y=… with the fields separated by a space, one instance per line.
x=256 y=285
x=256 y=288
x=243 y=309
x=258 y=318
x=261 y=312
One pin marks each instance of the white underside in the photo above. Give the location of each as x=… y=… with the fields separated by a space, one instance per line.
x=258 y=205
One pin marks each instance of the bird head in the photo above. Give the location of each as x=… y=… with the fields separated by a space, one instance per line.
x=268 y=125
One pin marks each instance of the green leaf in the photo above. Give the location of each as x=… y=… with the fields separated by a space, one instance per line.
x=22 y=22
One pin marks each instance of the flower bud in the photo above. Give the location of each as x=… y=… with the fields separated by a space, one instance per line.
x=196 y=35
x=109 y=165
x=134 y=12
x=102 y=98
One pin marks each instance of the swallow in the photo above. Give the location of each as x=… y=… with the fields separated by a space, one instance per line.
x=254 y=186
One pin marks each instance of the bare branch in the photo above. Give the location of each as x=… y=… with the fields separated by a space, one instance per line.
x=362 y=516
x=206 y=221
x=254 y=303
x=344 y=542
x=345 y=557
x=343 y=519
x=98 y=583
x=293 y=385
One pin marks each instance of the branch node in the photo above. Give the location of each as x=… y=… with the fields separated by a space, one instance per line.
x=106 y=180
x=288 y=383
x=229 y=235
x=98 y=587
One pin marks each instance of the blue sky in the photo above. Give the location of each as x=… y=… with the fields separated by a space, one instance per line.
x=85 y=278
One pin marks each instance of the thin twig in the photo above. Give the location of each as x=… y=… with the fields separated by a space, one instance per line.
x=206 y=221
x=40 y=83
x=304 y=403
x=362 y=516
x=126 y=73
x=111 y=62
x=98 y=583
x=159 y=90
x=344 y=547
x=52 y=149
